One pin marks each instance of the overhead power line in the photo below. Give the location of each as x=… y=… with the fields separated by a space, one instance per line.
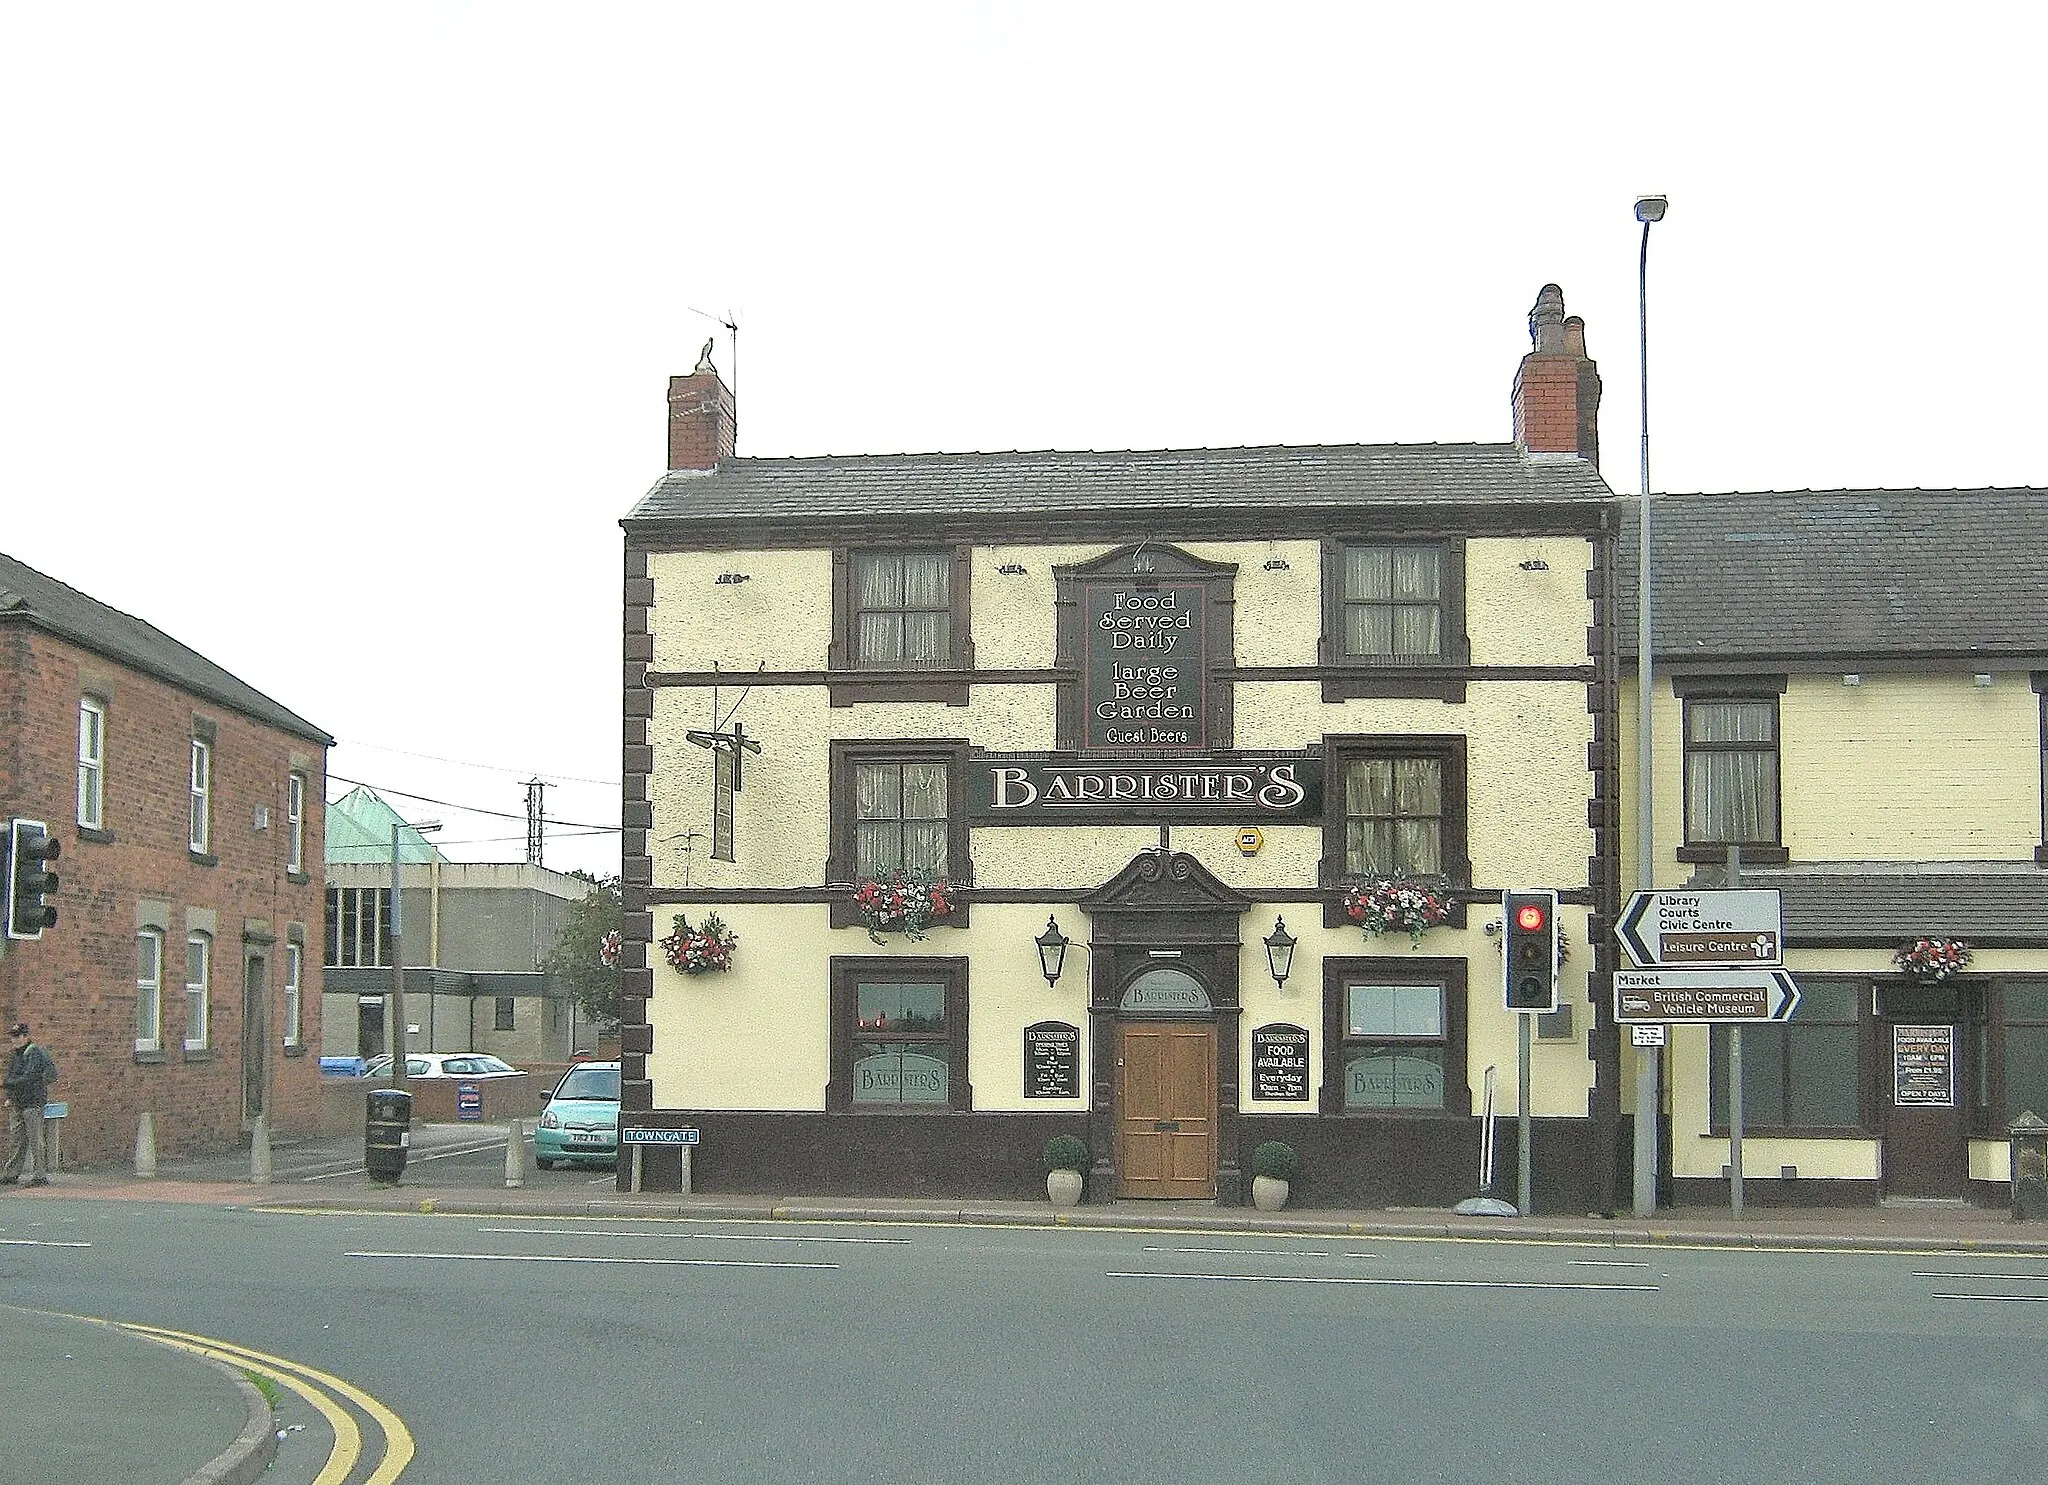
x=469 y=808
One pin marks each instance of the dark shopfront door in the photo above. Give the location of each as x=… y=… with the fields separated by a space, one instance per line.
x=1166 y=1109
x=1926 y=1127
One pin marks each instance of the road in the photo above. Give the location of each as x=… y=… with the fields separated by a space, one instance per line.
x=548 y=1349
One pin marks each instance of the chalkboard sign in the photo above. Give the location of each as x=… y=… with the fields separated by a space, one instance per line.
x=1280 y=1063
x=1145 y=679
x=1052 y=1060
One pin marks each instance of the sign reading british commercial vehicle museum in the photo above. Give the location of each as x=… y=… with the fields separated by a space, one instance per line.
x=1280 y=1063
x=1052 y=1060
x=1223 y=789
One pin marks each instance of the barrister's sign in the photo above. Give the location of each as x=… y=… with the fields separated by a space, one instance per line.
x=1065 y=789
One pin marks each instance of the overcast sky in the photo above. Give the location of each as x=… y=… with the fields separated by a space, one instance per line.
x=335 y=337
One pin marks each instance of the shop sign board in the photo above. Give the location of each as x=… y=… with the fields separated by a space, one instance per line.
x=1145 y=670
x=1700 y=930
x=1280 y=1063
x=1704 y=996
x=1924 y=1067
x=1221 y=789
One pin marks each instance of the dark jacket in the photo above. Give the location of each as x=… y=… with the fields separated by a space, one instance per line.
x=29 y=1075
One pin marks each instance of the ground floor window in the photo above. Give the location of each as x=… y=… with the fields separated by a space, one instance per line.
x=899 y=1035
x=2024 y=1016
x=1805 y=1073
x=1394 y=1036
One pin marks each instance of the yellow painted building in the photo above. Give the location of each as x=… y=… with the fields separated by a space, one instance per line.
x=976 y=799
x=1847 y=688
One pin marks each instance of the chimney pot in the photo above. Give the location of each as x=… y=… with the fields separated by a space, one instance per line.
x=1557 y=386
x=703 y=427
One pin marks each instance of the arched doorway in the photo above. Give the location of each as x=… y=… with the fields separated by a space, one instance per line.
x=1166 y=1087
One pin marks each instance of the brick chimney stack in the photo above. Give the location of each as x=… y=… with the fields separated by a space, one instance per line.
x=1557 y=388
x=702 y=426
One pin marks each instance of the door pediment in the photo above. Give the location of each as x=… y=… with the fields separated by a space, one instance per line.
x=1159 y=881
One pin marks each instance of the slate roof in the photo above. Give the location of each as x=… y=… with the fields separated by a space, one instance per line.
x=40 y=601
x=1882 y=903
x=1055 y=483
x=1839 y=573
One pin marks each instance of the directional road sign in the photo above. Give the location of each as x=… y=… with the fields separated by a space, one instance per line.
x=1698 y=930
x=638 y=1135
x=1710 y=996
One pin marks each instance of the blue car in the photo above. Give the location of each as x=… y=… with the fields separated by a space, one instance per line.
x=580 y=1125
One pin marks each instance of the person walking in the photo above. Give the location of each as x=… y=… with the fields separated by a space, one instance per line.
x=29 y=1075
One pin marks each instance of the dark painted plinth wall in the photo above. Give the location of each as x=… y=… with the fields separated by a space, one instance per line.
x=1345 y=1163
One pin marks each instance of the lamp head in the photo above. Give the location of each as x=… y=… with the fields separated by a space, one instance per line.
x=1651 y=208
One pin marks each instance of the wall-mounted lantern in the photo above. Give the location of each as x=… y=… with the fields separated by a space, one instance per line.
x=1052 y=950
x=1280 y=951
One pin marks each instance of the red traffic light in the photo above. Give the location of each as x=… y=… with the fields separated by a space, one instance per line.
x=1529 y=917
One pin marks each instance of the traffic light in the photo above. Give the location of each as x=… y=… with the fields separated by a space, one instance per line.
x=1529 y=955
x=30 y=850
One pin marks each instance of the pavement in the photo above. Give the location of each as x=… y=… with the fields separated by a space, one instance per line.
x=189 y=1421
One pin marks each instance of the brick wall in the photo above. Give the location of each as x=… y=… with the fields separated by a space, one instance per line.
x=76 y=987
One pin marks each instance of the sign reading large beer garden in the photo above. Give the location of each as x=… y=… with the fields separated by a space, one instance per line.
x=1145 y=684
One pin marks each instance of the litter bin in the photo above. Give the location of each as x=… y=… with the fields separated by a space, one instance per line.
x=387 y=1133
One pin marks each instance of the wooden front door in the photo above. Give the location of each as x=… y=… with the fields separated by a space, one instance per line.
x=1166 y=1109
x=1926 y=1131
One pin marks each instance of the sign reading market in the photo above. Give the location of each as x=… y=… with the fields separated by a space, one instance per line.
x=1226 y=788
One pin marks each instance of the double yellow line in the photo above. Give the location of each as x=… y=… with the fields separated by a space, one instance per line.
x=317 y=1388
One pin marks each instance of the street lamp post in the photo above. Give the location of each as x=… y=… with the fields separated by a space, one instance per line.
x=396 y=1034
x=1648 y=209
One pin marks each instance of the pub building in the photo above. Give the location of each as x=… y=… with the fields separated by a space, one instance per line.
x=1029 y=794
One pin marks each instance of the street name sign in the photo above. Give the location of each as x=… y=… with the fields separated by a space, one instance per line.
x=633 y=1135
x=1704 y=996
x=1702 y=930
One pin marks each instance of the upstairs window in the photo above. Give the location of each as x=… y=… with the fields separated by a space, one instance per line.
x=1731 y=770
x=1393 y=603
x=1393 y=816
x=92 y=763
x=295 y=823
x=359 y=927
x=901 y=818
x=902 y=609
x=202 y=796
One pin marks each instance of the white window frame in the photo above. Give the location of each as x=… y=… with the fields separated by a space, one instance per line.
x=92 y=763
x=149 y=990
x=198 y=975
x=294 y=968
x=295 y=823
x=202 y=795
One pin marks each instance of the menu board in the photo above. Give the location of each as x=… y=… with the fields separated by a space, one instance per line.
x=1280 y=1063
x=1923 y=1067
x=1052 y=1060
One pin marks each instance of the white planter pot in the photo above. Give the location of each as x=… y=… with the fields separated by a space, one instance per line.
x=1064 y=1187
x=1268 y=1194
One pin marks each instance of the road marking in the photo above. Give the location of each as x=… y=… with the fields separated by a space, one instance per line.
x=358 y=1170
x=1921 y=1273
x=38 y=1243
x=1602 y=1263
x=580 y=1258
x=719 y=1237
x=2015 y=1298
x=398 y=1445
x=1260 y=1252
x=1396 y=1283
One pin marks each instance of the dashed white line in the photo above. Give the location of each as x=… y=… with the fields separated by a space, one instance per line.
x=1397 y=1283
x=1260 y=1252
x=723 y=1237
x=1921 y=1273
x=38 y=1243
x=1602 y=1263
x=581 y=1258
x=2007 y=1298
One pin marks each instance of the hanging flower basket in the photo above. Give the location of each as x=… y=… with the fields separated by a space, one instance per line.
x=1383 y=904
x=609 y=948
x=700 y=950
x=1932 y=959
x=905 y=902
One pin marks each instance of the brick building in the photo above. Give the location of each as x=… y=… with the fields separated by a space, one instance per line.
x=182 y=977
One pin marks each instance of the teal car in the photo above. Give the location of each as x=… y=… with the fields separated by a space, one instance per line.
x=580 y=1125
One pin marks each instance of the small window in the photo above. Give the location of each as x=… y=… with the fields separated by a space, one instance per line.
x=92 y=763
x=1731 y=771
x=501 y=1019
x=295 y=823
x=149 y=991
x=198 y=974
x=294 y=967
x=202 y=796
x=1393 y=603
x=899 y=1035
x=1799 y=1074
x=900 y=818
x=902 y=610
x=1395 y=1045
x=2024 y=1006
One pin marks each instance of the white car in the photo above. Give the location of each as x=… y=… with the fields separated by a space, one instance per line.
x=444 y=1065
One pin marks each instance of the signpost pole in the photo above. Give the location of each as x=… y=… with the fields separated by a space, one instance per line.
x=1522 y=1020
x=1734 y=883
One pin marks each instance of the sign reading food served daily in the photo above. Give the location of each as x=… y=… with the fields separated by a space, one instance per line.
x=1144 y=673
